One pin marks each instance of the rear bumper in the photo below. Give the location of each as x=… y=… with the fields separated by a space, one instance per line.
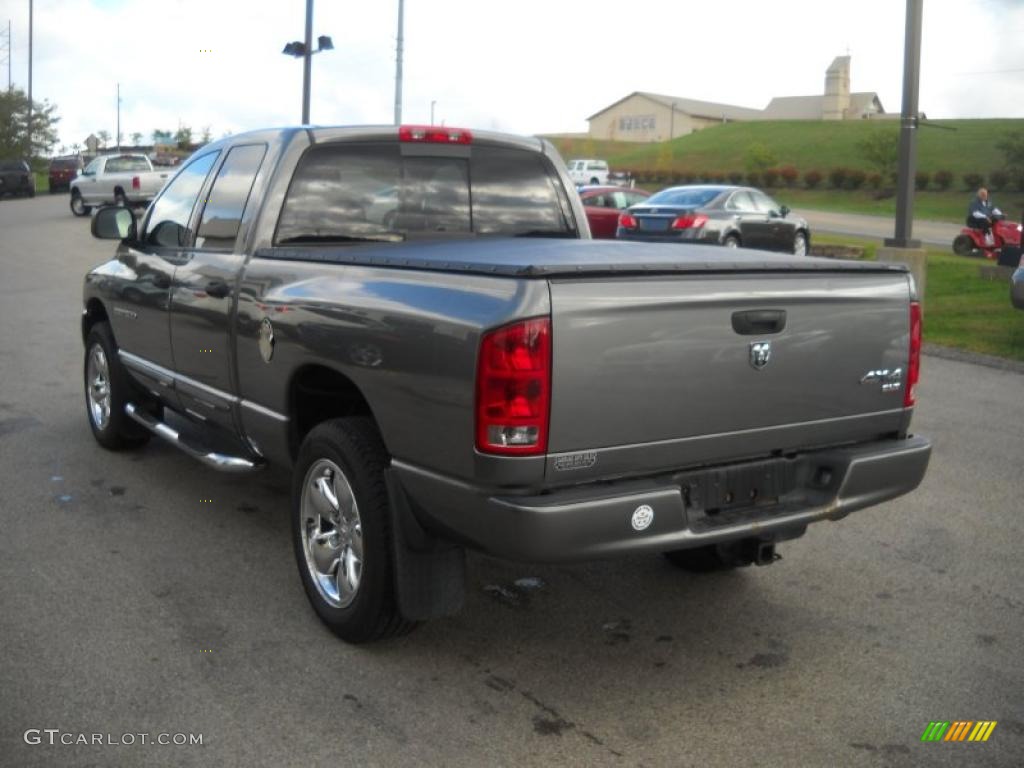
x=596 y=520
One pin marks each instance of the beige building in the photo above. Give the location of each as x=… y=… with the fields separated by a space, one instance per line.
x=643 y=116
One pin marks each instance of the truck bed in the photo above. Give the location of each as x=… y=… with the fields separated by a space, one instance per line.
x=556 y=257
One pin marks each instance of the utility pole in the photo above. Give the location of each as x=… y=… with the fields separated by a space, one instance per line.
x=398 y=64
x=9 y=48
x=902 y=247
x=118 y=117
x=30 y=79
x=307 y=61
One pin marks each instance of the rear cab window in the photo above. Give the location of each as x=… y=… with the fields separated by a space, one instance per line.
x=372 y=191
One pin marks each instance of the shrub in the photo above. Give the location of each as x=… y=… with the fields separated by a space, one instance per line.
x=736 y=177
x=922 y=179
x=837 y=178
x=855 y=179
x=789 y=175
x=875 y=180
x=998 y=180
x=812 y=179
x=753 y=178
x=973 y=180
x=943 y=180
x=770 y=176
x=759 y=158
x=717 y=176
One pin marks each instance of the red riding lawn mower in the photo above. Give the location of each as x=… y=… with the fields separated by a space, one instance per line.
x=972 y=242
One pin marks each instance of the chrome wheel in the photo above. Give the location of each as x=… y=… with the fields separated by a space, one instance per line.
x=332 y=533
x=731 y=242
x=800 y=245
x=98 y=387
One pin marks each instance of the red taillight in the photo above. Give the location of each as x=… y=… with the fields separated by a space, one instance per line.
x=513 y=388
x=627 y=221
x=433 y=134
x=914 y=364
x=136 y=183
x=690 y=221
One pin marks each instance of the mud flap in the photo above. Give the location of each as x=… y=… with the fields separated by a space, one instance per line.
x=430 y=574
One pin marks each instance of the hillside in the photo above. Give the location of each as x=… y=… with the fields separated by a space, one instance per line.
x=806 y=145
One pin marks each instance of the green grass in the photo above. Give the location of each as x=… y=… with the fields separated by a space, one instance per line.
x=816 y=145
x=949 y=206
x=961 y=309
x=42 y=182
x=809 y=144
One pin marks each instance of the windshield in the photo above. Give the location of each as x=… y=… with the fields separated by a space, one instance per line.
x=686 y=196
x=371 y=191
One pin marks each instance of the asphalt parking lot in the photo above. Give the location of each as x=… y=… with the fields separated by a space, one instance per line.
x=129 y=604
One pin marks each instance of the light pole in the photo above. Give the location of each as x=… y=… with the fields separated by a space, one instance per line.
x=908 y=129
x=672 y=123
x=432 y=103
x=305 y=51
x=118 y=117
x=398 y=64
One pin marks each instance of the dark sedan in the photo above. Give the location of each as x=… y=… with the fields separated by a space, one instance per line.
x=16 y=178
x=603 y=205
x=716 y=215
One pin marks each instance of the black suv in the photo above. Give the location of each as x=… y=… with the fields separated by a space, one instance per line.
x=16 y=178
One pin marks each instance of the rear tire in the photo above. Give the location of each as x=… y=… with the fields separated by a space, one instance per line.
x=341 y=530
x=107 y=389
x=78 y=206
x=964 y=245
x=120 y=200
x=800 y=244
x=731 y=241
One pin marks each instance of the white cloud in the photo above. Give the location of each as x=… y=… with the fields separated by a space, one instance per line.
x=529 y=67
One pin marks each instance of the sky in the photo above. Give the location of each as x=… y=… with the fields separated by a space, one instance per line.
x=524 y=67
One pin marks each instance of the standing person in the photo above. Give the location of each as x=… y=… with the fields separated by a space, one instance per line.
x=979 y=215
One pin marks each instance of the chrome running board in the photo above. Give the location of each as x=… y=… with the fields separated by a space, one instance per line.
x=219 y=461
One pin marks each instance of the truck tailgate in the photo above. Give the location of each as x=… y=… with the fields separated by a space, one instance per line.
x=660 y=372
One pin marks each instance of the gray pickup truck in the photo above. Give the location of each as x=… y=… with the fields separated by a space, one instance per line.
x=417 y=323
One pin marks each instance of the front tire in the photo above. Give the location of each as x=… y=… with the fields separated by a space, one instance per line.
x=731 y=241
x=107 y=390
x=78 y=206
x=341 y=530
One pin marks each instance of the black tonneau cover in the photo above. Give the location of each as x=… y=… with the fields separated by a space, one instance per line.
x=559 y=257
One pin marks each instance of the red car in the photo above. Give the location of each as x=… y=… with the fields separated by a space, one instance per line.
x=603 y=205
x=63 y=170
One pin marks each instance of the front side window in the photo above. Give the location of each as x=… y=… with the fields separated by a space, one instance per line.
x=93 y=167
x=222 y=215
x=763 y=203
x=355 y=192
x=167 y=225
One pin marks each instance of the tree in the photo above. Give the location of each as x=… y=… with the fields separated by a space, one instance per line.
x=183 y=137
x=14 y=133
x=759 y=158
x=136 y=139
x=881 y=149
x=161 y=136
x=207 y=135
x=104 y=137
x=1012 y=147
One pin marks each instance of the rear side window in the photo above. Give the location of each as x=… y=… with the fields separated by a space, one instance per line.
x=695 y=196
x=598 y=166
x=126 y=164
x=222 y=215
x=352 y=192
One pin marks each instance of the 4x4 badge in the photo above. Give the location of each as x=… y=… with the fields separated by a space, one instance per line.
x=760 y=353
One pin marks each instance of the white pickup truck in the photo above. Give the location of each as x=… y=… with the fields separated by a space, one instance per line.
x=116 y=179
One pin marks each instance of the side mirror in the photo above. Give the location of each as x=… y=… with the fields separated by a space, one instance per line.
x=784 y=211
x=114 y=223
